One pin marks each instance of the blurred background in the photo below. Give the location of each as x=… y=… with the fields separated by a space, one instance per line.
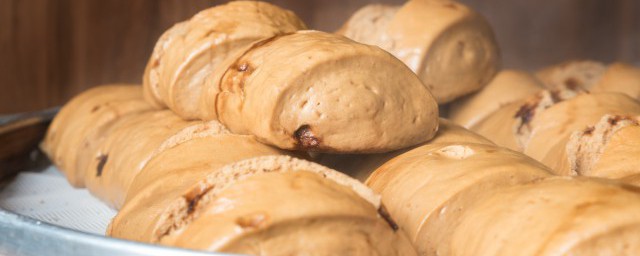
x=52 y=49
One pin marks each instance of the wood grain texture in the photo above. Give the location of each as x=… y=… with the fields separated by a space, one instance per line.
x=51 y=50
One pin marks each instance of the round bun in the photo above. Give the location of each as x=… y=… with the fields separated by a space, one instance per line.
x=189 y=51
x=449 y=46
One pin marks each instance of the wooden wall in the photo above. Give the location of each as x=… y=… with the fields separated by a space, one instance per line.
x=52 y=49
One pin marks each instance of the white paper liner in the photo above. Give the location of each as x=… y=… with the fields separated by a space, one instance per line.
x=48 y=197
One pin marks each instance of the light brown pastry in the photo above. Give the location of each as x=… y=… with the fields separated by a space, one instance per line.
x=240 y=209
x=608 y=149
x=81 y=125
x=132 y=143
x=506 y=87
x=555 y=216
x=189 y=51
x=510 y=125
x=449 y=46
x=577 y=75
x=559 y=121
x=321 y=92
x=593 y=76
x=360 y=166
x=171 y=174
x=620 y=77
x=427 y=191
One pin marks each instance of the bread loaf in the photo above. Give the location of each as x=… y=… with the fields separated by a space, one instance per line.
x=131 y=144
x=82 y=124
x=360 y=166
x=506 y=87
x=316 y=91
x=607 y=149
x=593 y=76
x=189 y=51
x=426 y=192
x=449 y=46
x=240 y=209
x=554 y=216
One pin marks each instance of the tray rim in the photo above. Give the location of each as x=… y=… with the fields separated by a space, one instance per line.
x=22 y=235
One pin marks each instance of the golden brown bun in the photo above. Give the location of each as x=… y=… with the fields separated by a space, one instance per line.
x=577 y=75
x=172 y=174
x=129 y=145
x=449 y=46
x=82 y=124
x=559 y=121
x=360 y=166
x=189 y=51
x=620 y=77
x=321 y=92
x=593 y=76
x=506 y=87
x=510 y=125
x=607 y=149
x=325 y=212
x=555 y=216
x=427 y=191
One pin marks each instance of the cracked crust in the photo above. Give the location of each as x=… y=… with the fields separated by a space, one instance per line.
x=585 y=147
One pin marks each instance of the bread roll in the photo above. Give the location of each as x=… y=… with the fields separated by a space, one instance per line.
x=608 y=149
x=170 y=175
x=562 y=119
x=510 y=125
x=189 y=51
x=506 y=87
x=449 y=46
x=555 y=216
x=360 y=166
x=577 y=75
x=593 y=76
x=427 y=192
x=321 y=92
x=80 y=126
x=620 y=77
x=131 y=143
x=240 y=209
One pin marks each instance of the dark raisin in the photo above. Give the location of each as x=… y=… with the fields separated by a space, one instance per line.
x=305 y=137
x=572 y=84
x=102 y=160
x=385 y=215
x=589 y=130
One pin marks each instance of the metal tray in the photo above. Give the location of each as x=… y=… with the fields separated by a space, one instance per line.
x=21 y=235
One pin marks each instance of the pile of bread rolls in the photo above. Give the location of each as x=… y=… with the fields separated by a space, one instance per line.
x=247 y=128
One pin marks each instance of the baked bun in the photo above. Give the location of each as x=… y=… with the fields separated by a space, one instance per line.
x=189 y=51
x=559 y=121
x=574 y=75
x=506 y=87
x=510 y=125
x=449 y=46
x=80 y=126
x=607 y=149
x=360 y=166
x=239 y=208
x=554 y=216
x=171 y=174
x=129 y=144
x=593 y=76
x=427 y=191
x=620 y=77
x=316 y=91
